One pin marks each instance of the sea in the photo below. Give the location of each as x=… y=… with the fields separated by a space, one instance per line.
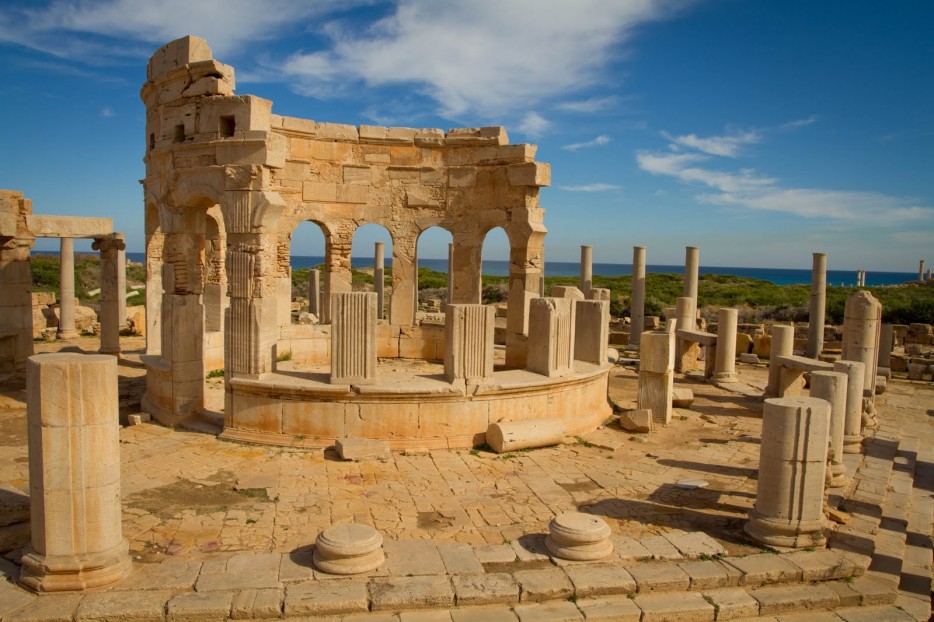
x=778 y=276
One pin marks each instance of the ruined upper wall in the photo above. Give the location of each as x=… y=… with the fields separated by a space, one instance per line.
x=14 y=208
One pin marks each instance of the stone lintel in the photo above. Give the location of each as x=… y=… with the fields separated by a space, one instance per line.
x=68 y=226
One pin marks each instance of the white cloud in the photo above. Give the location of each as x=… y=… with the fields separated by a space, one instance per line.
x=790 y=125
x=589 y=105
x=483 y=56
x=748 y=189
x=596 y=142
x=728 y=145
x=597 y=187
x=533 y=124
x=107 y=112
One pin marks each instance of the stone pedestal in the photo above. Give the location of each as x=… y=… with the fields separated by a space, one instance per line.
x=686 y=352
x=551 y=336
x=691 y=269
x=818 y=306
x=74 y=466
x=591 y=330
x=637 y=302
x=586 y=270
x=353 y=338
x=862 y=324
x=656 y=374
x=792 y=464
x=725 y=367
x=379 y=274
x=348 y=549
x=579 y=537
x=830 y=386
x=468 y=342
x=314 y=294
x=783 y=340
x=66 y=298
x=853 y=413
x=886 y=343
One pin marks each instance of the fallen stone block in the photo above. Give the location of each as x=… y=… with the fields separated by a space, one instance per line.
x=881 y=384
x=636 y=420
x=749 y=358
x=513 y=435
x=139 y=419
x=362 y=449
x=681 y=397
x=612 y=356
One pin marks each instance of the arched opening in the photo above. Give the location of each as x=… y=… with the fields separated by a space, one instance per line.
x=495 y=262
x=368 y=263
x=306 y=261
x=215 y=274
x=432 y=253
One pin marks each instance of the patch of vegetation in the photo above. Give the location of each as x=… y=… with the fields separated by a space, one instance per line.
x=216 y=373
x=583 y=442
x=285 y=356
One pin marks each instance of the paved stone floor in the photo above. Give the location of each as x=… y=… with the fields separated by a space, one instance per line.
x=194 y=505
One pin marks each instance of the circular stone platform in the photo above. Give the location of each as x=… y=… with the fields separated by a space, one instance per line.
x=348 y=549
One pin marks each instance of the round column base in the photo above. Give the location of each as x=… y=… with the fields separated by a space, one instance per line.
x=67 y=334
x=784 y=533
x=725 y=376
x=348 y=549
x=70 y=573
x=853 y=444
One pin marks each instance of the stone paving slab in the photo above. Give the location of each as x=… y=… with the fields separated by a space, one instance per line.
x=487 y=589
x=484 y=614
x=555 y=611
x=778 y=599
x=199 y=607
x=147 y=606
x=732 y=603
x=327 y=597
x=423 y=592
x=47 y=608
x=600 y=580
x=764 y=569
x=544 y=584
x=659 y=577
x=675 y=607
x=615 y=608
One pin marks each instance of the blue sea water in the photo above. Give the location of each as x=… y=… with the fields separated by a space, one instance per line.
x=779 y=276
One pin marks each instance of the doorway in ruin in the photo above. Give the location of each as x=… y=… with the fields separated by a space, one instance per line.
x=495 y=262
x=432 y=289
x=306 y=253
x=362 y=258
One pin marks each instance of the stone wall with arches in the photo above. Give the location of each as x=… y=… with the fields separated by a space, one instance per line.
x=223 y=171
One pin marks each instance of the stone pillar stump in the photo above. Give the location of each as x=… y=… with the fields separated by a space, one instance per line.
x=74 y=467
x=830 y=386
x=792 y=465
x=725 y=367
x=783 y=341
x=853 y=414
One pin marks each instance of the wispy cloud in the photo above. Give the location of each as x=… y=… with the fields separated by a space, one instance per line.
x=589 y=105
x=596 y=142
x=790 y=125
x=107 y=112
x=728 y=145
x=533 y=124
x=597 y=187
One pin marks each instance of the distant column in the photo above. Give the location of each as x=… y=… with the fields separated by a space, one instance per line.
x=921 y=270
x=66 y=299
x=830 y=386
x=74 y=462
x=691 y=268
x=725 y=367
x=121 y=288
x=109 y=308
x=783 y=342
x=314 y=293
x=792 y=464
x=637 y=301
x=586 y=270
x=379 y=271
x=451 y=274
x=816 y=316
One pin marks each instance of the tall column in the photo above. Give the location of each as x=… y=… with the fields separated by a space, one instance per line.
x=314 y=293
x=816 y=317
x=783 y=342
x=725 y=367
x=121 y=288
x=353 y=338
x=691 y=268
x=861 y=326
x=656 y=373
x=66 y=298
x=921 y=270
x=853 y=415
x=379 y=272
x=637 y=301
x=74 y=464
x=830 y=386
x=586 y=270
x=109 y=306
x=792 y=464
x=451 y=273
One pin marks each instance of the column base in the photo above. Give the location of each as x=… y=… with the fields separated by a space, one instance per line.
x=836 y=474
x=853 y=444
x=729 y=376
x=67 y=334
x=784 y=533
x=69 y=573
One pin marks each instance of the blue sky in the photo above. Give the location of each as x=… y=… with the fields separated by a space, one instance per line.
x=759 y=130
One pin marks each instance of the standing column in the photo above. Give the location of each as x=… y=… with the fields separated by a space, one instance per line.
x=816 y=316
x=314 y=293
x=725 y=368
x=66 y=298
x=74 y=464
x=451 y=274
x=830 y=386
x=783 y=342
x=121 y=288
x=853 y=415
x=921 y=270
x=792 y=465
x=379 y=272
x=886 y=343
x=109 y=308
x=691 y=268
x=637 y=301
x=586 y=270
x=861 y=324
